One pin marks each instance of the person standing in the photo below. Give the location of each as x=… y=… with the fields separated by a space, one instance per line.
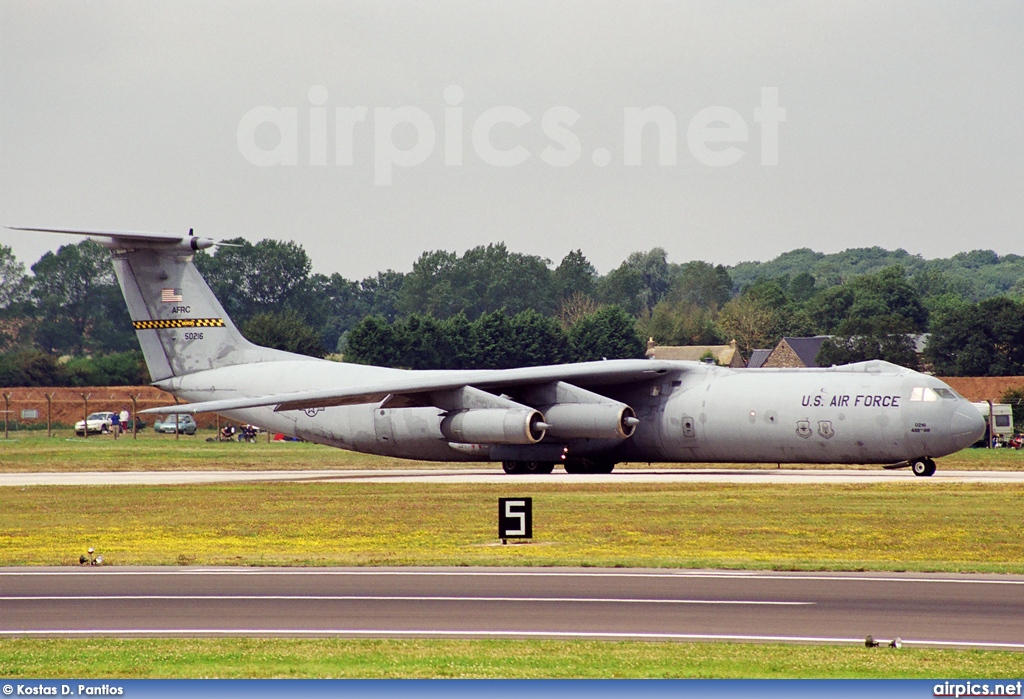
x=124 y=418
x=115 y=424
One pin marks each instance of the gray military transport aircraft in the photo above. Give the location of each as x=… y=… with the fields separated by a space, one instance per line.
x=586 y=416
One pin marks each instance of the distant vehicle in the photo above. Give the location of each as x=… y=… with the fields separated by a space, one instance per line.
x=99 y=423
x=1001 y=424
x=186 y=424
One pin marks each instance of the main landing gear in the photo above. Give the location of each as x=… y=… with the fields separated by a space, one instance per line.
x=588 y=466
x=923 y=467
x=528 y=466
x=571 y=466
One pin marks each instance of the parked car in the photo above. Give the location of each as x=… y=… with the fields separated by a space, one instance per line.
x=97 y=423
x=166 y=423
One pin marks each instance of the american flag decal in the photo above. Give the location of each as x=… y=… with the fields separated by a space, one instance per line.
x=170 y=295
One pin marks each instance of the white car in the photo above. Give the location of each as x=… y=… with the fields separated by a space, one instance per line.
x=97 y=422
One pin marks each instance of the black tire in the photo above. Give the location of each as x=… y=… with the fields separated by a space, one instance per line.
x=921 y=468
x=512 y=466
x=587 y=466
x=576 y=467
x=538 y=466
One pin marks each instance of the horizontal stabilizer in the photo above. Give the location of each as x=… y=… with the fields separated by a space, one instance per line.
x=133 y=239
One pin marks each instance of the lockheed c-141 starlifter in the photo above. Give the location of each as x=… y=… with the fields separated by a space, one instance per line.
x=586 y=416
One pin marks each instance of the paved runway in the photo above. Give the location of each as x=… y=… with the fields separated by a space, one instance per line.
x=925 y=610
x=479 y=475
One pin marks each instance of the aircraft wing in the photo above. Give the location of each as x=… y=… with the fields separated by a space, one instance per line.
x=589 y=374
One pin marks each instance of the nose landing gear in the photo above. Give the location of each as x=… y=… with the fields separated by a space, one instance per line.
x=923 y=467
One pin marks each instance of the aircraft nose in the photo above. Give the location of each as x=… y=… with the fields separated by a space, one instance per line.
x=967 y=425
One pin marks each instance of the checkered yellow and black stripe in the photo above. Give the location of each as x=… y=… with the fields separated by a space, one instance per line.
x=178 y=323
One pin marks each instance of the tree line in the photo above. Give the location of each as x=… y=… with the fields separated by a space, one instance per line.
x=494 y=340
x=492 y=307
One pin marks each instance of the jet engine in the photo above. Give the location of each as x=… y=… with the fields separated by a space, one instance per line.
x=590 y=420
x=494 y=426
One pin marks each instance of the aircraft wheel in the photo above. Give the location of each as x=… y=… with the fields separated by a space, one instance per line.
x=512 y=466
x=585 y=466
x=923 y=467
x=538 y=466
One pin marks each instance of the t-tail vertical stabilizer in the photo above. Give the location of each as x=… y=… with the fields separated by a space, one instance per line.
x=181 y=326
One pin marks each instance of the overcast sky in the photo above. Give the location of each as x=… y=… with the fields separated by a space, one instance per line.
x=904 y=126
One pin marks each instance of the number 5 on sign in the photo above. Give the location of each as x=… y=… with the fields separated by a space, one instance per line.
x=515 y=518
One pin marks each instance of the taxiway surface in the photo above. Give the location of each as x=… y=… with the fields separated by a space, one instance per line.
x=480 y=475
x=923 y=609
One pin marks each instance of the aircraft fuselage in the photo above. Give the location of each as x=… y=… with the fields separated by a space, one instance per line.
x=871 y=413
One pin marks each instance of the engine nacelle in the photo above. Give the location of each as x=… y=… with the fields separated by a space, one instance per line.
x=590 y=420
x=494 y=426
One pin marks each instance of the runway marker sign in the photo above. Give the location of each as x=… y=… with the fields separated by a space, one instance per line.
x=515 y=518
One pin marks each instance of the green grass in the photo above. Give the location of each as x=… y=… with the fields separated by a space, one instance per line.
x=917 y=526
x=897 y=526
x=435 y=658
x=33 y=451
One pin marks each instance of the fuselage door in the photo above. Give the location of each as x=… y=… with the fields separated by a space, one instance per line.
x=679 y=431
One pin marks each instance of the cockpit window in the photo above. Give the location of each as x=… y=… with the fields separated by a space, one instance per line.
x=929 y=395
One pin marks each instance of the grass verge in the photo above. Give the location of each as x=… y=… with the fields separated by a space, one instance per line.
x=895 y=526
x=436 y=658
x=33 y=451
